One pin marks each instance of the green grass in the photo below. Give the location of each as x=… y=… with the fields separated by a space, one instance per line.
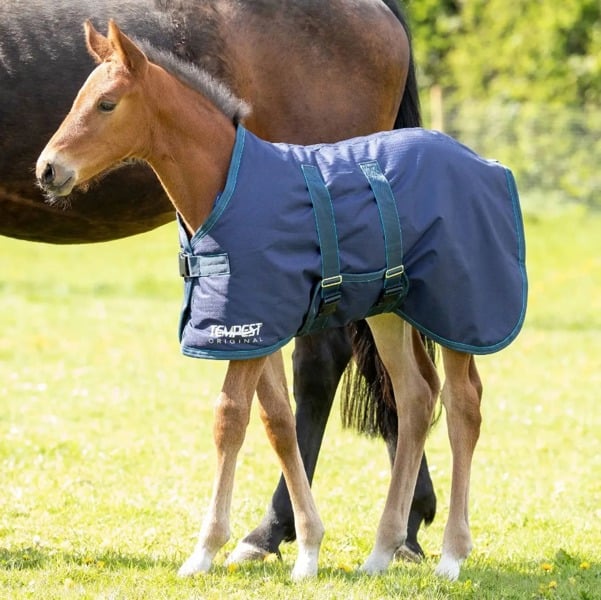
x=106 y=455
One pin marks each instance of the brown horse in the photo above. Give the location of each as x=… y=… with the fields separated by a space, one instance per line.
x=275 y=54
x=184 y=125
x=263 y=52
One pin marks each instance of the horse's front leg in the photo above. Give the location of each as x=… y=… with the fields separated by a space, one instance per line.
x=278 y=419
x=232 y=414
x=461 y=396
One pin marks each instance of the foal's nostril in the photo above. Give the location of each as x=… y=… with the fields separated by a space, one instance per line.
x=48 y=174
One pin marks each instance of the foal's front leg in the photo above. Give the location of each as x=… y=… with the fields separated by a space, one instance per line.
x=279 y=422
x=318 y=361
x=232 y=413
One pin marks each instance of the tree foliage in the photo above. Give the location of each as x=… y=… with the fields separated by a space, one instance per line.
x=513 y=50
x=521 y=81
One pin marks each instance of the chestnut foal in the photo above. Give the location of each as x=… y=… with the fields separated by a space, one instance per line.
x=132 y=108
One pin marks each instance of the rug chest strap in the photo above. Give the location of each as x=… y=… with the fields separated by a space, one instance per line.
x=396 y=283
x=331 y=279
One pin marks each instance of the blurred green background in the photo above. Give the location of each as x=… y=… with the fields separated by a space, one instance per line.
x=520 y=81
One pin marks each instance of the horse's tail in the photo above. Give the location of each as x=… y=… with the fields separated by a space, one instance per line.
x=366 y=397
x=409 y=114
x=367 y=400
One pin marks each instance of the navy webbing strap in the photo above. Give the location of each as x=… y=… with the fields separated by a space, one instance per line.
x=328 y=241
x=396 y=284
x=203 y=265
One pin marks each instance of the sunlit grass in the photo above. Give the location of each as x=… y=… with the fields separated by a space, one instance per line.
x=106 y=453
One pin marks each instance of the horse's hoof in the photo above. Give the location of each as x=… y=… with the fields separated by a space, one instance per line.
x=405 y=553
x=448 y=568
x=198 y=562
x=245 y=552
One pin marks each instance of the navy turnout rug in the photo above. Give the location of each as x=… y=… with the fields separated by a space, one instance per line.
x=307 y=237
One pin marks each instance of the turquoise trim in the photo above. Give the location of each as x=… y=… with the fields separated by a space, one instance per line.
x=363 y=277
x=230 y=186
x=519 y=228
x=521 y=250
x=233 y=354
x=467 y=348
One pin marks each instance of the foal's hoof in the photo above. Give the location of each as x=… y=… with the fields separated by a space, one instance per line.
x=376 y=563
x=448 y=568
x=245 y=552
x=198 y=562
x=304 y=568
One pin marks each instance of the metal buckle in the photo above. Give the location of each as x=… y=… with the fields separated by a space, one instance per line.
x=184 y=265
x=394 y=272
x=394 y=288
x=331 y=281
x=330 y=297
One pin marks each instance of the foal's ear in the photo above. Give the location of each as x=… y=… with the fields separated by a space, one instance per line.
x=98 y=45
x=129 y=54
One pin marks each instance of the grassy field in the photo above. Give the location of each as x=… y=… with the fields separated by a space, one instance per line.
x=106 y=456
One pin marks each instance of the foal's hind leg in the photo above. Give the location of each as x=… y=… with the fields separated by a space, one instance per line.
x=461 y=395
x=416 y=385
x=232 y=413
x=278 y=419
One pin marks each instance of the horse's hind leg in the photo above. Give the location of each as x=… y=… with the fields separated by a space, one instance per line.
x=416 y=386
x=461 y=395
x=423 y=509
x=279 y=422
x=232 y=413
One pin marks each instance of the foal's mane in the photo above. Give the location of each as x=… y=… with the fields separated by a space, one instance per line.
x=198 y=79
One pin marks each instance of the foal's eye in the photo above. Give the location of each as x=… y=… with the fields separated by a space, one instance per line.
x=106 y=106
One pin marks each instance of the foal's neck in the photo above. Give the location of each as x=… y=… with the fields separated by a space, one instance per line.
x=191 y=148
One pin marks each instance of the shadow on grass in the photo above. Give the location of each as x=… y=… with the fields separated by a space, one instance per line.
x=565 y=577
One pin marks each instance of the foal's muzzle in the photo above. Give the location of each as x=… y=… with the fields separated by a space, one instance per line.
x=48 y=175
x=53 y=178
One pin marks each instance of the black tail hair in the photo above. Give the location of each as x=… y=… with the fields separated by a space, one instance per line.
x=409 y=114
x=367 y=399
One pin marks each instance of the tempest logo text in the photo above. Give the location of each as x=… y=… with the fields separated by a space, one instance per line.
x=249 y=330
